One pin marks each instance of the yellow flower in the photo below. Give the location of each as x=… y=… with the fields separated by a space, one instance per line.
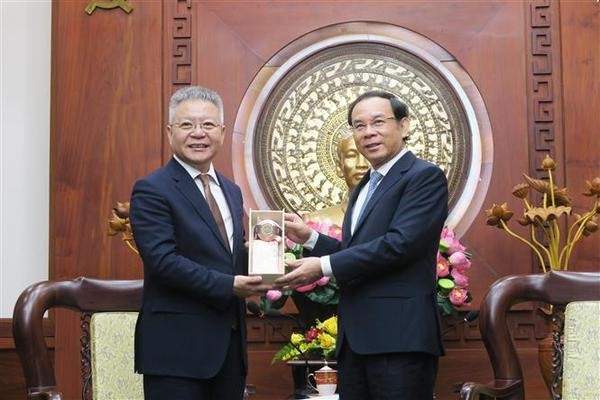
x=330 y=325
x=297 y=338
x=326 y=340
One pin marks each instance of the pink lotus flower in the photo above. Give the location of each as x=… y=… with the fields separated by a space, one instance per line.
x=335 y=232
x=289 y=244
x=454 y=245
x=273 y=295
x=461 y=280
x=460 y=261
x=306 y=288
x=457 y=296
x=318 y=226
x=442 y=267
x=323 y=281
x=452 y=264
x=331 y=230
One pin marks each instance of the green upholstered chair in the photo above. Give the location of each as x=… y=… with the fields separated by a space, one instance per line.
x=109 y=310
x=581 y=353
x=111 y=357
x=558 y=289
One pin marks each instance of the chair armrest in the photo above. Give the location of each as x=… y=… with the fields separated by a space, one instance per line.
x=498 y=388
x=43 y=394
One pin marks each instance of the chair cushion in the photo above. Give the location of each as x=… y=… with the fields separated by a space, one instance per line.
x=581 y=360
x=111 y=347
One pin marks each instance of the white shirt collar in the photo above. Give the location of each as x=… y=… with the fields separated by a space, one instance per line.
x=385 y=168
x=194 y=172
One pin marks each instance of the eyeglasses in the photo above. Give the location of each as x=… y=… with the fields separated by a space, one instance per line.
x=189 y=126
x=377 y=123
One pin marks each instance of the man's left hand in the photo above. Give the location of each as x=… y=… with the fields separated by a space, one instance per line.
x=306 y=271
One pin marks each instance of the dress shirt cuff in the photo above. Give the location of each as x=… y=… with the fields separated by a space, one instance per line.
x=326 y=267
x=312 y=241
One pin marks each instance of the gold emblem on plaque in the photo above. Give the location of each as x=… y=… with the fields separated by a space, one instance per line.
x=305 y=116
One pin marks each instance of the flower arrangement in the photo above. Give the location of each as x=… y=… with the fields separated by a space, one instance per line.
x=453 y=261
x=317 y=342
x=119 y=223
x=552 y=249
x=323 y=291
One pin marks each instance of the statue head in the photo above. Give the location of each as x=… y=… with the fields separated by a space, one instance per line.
x=352 y=165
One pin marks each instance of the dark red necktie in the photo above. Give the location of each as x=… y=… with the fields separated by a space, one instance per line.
x=214 y=208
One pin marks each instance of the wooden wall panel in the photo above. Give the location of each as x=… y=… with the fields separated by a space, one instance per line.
x=113 y=72
x=243 y=36
x=106 y=132
x=580 y=36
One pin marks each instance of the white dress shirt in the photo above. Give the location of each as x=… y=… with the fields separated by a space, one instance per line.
x=217 y=192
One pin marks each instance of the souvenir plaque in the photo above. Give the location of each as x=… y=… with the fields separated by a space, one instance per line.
x=267 y=244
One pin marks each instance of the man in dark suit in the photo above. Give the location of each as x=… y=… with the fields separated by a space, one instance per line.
x=389 y=336
x=190 y=339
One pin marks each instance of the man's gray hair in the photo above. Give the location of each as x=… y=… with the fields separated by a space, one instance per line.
x=195 y=93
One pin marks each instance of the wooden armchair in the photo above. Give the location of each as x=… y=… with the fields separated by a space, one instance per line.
x=87 y=296
x=556 y=288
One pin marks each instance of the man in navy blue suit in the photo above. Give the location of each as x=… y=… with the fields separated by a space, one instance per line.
x=190 y=339
x=389 y=335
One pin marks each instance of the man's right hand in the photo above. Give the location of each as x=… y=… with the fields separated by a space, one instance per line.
x=246 y=286
x=295 y=229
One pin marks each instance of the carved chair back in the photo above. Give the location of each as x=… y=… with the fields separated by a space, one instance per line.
x=556 y=288
x=87 y=296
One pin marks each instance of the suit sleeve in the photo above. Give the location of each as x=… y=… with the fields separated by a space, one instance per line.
x=325 y=245
x=154 y=233
x=416 y=222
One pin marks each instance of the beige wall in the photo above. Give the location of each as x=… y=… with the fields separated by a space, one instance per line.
x=24 y=145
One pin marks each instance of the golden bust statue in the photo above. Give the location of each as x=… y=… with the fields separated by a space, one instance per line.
x=351 y=166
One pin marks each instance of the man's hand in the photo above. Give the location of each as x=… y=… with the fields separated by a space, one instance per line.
x=306 y=270
x=246 y=286
x=295 y=229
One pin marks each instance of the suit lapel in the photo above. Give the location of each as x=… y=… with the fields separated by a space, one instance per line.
x=188 y=188
x=347 y=224
x=390 y=179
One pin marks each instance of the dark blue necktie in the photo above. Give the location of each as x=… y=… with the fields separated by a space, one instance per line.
x=373 y=181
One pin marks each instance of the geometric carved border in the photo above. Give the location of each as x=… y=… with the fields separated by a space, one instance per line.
x=526 y=328
x=540 y=93
x=181 y=61
x=276 y=330
x=178 y=56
